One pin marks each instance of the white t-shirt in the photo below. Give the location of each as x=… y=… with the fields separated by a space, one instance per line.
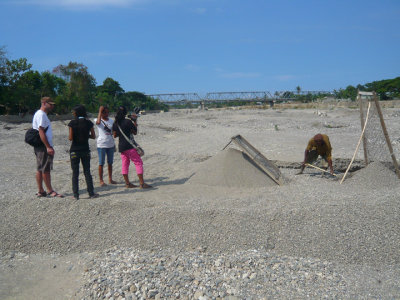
x=40 y=119
x=105 y=138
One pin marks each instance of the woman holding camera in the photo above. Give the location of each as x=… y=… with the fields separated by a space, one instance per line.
x=123 y=128
x=105 y=143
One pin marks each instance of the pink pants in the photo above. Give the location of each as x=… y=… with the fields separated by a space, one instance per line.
x=128 y=156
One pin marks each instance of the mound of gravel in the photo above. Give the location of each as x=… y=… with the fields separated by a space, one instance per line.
x=375 y=174
x=231 y=168
x=129 y=274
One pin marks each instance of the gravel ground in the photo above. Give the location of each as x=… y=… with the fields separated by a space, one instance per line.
x=311 y=237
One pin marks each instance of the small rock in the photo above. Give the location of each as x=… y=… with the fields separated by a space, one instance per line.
x=152 y=293
x=198 y=294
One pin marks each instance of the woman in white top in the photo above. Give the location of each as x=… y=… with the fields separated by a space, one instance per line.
x=105 y=143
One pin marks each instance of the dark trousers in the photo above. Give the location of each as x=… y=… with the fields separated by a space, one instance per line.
x=313 y=156
x=76 y=158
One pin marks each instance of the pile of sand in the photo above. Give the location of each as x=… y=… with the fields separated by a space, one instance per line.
x=375 y=174
x=231 y=168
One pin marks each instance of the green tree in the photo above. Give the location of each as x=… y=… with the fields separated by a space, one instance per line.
x=349 y=93
x=26 y=92
x=81 y=85
x=52 y=85
x=105 y=99
x=109 y=93
x=137 y=99
x=11 y=72
x=110 y=86
x=3 y=66
x=386 y=89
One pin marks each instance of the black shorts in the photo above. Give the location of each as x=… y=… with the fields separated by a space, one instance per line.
x=313 y=156
x=44 y=161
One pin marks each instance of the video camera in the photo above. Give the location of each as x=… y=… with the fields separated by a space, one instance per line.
x=136 y=113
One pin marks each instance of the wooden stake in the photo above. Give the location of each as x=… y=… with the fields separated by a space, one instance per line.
x=359 y=98
x=389 y=144
x=315 y=167
x=358 y=145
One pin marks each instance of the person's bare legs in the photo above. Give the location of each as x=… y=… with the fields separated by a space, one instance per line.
x=301 y=169
x=47 y=181
x=143 y=185
x=102 y=183
x=39 y=181
x=110 y=180
x=127 y=183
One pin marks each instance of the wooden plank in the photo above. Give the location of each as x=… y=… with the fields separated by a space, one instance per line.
x=389 y=144
x=360 y=100
x=260 y=160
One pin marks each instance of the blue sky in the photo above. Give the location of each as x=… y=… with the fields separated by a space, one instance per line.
x=155 y=46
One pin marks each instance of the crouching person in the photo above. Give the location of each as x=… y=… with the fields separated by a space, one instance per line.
x=319 y=145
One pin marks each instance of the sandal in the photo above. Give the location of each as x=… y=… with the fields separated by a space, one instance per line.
x=145 y=186
x=54 y=194
x=130 y=186
x=41 y=194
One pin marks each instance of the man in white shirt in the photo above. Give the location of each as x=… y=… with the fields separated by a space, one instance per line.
x=44 y=154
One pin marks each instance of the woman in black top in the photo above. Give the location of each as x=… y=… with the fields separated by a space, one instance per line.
x=80 y=130
x=128 y=152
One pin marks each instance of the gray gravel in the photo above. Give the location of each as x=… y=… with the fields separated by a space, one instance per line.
x=311 y=236
x=248 y=274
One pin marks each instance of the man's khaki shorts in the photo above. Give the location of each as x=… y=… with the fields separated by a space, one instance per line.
x=44 y=161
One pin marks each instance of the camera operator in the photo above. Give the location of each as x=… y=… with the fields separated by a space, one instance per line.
x=124 y=127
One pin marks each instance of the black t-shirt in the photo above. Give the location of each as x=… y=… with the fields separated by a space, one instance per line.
x=127 y=127
x=80 y=130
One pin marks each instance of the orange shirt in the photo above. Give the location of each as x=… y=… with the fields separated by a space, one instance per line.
x=324 y=150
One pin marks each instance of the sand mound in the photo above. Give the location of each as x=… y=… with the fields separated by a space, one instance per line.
x=231 y=168
x=375 y=174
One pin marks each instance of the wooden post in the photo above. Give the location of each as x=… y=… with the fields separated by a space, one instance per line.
x=359 y=97
x=358 y=145
x=389 y=144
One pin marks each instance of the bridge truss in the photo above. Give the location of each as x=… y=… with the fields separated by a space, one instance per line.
x=215 y=97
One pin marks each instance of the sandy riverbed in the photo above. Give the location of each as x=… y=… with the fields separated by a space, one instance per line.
x=46 y=244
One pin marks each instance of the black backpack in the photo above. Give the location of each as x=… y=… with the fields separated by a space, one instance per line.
x=32 y=137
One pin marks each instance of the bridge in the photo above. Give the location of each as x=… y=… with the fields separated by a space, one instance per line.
x=222 y=97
